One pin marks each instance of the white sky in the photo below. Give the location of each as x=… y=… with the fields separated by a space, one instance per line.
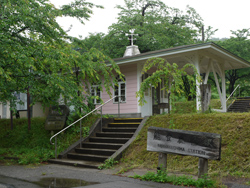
x=224 y=15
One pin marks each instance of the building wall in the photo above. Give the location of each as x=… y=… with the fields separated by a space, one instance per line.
x=4 y=111
x=37 y=111
x=130 y=106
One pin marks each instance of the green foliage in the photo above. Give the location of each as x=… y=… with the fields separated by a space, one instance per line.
x=36 y=54
x=157 y=25
x=166 y=73
x=163 y=177
x=33 y=146
x=108 y=163
x=239 y=45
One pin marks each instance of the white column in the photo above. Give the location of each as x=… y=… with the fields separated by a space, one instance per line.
x=208 y=71
x=139 y=76
x=223 y=87
x=198 y=91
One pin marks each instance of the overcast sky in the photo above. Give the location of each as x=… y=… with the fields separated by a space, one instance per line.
x=224 y=15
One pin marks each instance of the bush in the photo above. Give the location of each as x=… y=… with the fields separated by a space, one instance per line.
x=33 y=146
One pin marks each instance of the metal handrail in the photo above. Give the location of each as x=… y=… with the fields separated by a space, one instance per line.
x=54 y=136
x=231 y=95
x=233 y=92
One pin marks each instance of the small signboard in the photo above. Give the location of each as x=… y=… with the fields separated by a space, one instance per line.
x=57 y=117
x=199 y=144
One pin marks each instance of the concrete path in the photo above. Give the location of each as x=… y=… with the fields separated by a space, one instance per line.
x=29 y=177
x=52 y=175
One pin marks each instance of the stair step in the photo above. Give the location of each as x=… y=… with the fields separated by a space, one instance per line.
x=128 y=119
x=108 y=140
x=76 y=163
x=114 y=134
x=94 y=151
x=241 y=104
x=109 y=129
x=101 y=145
x=123 y=125
x=87 y=157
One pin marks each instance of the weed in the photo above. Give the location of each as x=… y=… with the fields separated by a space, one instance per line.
x=123 y=170
x=108 y=163
x=237 y=173
x=163 y=177
x=108 y=116
x=33 y=146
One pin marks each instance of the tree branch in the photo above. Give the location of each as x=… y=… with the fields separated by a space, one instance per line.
x=21 y=30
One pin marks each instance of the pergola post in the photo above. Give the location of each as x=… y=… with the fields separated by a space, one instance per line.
x=223 y=88
x=198 y=90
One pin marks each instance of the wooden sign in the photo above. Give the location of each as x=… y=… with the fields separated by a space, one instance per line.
x=199 y=144
x=57 y=118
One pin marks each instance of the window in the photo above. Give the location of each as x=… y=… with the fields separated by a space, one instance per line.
x=23 y=98
x=96 y=94
x=120 y=90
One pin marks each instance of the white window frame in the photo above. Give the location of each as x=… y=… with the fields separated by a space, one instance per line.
x=120 y=82
x=94 y=94
x=21 y=97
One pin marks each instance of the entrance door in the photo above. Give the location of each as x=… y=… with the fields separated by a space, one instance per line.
x=160 y=103
x=156 y=100
x=146 y=109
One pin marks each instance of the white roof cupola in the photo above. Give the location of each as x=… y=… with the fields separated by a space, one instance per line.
x=133 y=49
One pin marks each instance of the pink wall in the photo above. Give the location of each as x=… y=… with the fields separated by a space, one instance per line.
x=130 y=72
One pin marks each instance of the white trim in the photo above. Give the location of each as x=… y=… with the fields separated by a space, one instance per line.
x=217 y=82
x=196 y=63
x=119 y=92
x=96 y=87
x=158 y=54
x=139 y=75
x=223 y=86
x=230 y=56
x=177 y=51
x=208 y=70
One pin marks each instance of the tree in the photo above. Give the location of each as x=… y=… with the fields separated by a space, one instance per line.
x=238 y=44
x=36 y=54
x=167 y=73
x=157 y=25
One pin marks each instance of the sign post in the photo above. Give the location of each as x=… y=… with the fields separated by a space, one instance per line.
x=57 y=118
x=198 y=144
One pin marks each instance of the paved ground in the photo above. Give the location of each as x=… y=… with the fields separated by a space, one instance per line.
x=28 y=177
x=54 y=175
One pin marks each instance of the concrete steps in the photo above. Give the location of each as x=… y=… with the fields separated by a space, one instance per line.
x=102 y=145
x=240 y=105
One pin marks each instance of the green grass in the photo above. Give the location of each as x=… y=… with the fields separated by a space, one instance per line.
x=32 y=147
x=235 y=131
x=190 y=106
x=164 y=177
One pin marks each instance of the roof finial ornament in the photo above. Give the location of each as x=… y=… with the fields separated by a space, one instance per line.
x=132 y=36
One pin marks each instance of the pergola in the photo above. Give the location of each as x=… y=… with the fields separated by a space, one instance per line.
x=206 y=57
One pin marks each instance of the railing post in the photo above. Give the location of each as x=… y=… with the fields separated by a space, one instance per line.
x=119 y=106
x=55 y=147
x=81 y=134
x=55 y=135
x=101 y=118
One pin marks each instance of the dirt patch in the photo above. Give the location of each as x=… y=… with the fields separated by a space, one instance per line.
x=229 y=181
